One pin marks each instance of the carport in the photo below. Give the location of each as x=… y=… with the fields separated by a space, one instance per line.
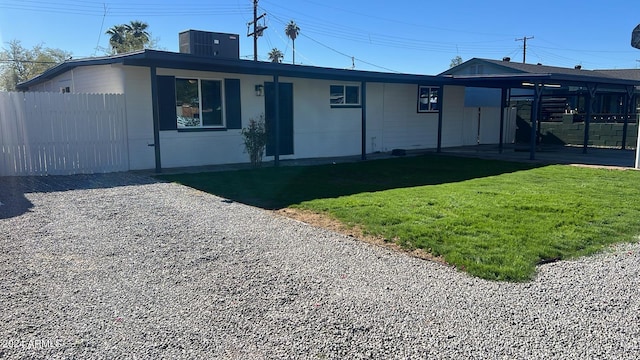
x=591 y=86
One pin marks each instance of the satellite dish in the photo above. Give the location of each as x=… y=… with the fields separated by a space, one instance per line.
x=635 y=37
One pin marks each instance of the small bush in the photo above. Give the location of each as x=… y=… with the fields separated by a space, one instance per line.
x=255 y=140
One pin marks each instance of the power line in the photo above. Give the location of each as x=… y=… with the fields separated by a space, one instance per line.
x=101 y=28
x=95 y=8
x=331 y=48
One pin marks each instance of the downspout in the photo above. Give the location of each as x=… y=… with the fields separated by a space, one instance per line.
x=276 y=122
x=363 y=87
x=440 y=111
x=156 y=118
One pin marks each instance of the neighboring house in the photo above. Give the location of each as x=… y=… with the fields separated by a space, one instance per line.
x=570 y=100
x=188 y=109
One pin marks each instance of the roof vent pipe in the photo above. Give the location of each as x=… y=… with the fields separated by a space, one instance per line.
x=578 y=67
x=506 y=59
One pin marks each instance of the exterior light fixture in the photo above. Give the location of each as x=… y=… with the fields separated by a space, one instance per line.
x=259 y=90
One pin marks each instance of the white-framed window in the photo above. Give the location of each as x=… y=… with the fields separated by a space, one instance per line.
x=344 y=95
x=199 y=103
x=428 y=100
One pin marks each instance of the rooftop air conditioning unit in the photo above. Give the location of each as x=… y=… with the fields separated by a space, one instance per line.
x=212 y=44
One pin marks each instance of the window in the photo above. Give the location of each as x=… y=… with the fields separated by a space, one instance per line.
x=199 y=103
x=428 y=98
x=344 y=95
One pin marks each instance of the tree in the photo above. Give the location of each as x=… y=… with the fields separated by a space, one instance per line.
x=117 y=39
x=275 y=55
x=129 y=37
x=18 y=64
x=455 y=61
x=139 y=34
x=292 y=30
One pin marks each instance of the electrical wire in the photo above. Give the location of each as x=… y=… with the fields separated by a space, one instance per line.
x=124 y=9
x=333 y=49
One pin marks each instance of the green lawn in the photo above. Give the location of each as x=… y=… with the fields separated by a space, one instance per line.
x=496 y=220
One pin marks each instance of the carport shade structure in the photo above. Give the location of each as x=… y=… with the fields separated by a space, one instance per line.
x=590 y=84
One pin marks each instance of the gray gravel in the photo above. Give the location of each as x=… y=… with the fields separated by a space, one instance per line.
x=121 y=266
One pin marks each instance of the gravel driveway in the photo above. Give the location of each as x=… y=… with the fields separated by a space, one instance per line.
x=121 y=266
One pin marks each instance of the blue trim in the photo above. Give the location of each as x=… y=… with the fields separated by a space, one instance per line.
x=440 y=118
x=276 y=120
x=172 y=60
x=232 y=103
x=363 y=119
x=347 y=106
x=201 y=129
x=155 y=106
x=167 y=102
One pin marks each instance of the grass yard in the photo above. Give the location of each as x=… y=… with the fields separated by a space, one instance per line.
x=496 y=220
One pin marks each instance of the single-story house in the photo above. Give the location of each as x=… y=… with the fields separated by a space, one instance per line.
x=188 y=109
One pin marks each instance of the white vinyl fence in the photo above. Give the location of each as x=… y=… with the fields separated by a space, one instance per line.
x=62 y=134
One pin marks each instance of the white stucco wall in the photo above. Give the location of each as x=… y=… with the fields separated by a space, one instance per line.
x=102 y=79
x=403 y=126
x=318 y=129
x=179 y=149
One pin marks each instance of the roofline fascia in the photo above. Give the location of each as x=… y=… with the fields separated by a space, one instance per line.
x=170 y=60
x=72 y=64
x=513 y=79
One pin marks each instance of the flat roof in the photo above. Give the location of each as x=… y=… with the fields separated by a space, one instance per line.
x=172 y=60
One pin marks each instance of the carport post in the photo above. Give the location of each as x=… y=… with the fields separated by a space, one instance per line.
x=592 y=96
x=638 y=144
x=440 y=103
x=503 y=105
x=537 y=96
x=625 y=127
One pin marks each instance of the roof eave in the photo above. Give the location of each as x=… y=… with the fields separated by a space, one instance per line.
x=163 y=59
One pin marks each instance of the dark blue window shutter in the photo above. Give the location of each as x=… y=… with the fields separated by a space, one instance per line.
x=167 y=102
x=232 y=103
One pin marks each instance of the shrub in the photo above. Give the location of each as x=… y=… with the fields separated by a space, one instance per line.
x=255 y=140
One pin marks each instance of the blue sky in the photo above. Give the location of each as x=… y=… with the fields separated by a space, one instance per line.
x=407 y=36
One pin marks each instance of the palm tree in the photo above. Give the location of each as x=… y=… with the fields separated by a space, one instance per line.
x=292 y=30
x=118 y=35
x=138 y=30
x=129 y=37
x=275 y=55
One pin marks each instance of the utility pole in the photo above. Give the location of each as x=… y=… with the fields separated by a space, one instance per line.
x=257 y=29
x=524 y=50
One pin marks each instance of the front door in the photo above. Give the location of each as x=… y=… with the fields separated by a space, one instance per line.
x=285 y=125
